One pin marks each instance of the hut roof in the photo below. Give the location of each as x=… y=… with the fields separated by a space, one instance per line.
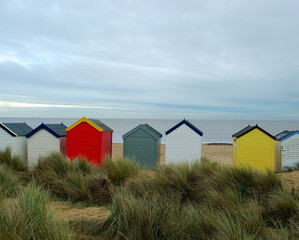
x=249 y=129
x=147 y=128
x=285 y=135
x=96 y=123
x=101 y=124
x=186 y=122
x=16 y=129
x=57 y=130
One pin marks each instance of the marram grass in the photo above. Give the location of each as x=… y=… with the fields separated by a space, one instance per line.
x=76 y=181
x=12 y=161
x=202 y=201
x=9 y=182
x=281 y=206
x=119 y=170
x=28 y=217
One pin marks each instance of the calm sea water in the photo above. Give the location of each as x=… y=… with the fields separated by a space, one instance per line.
x=214 y=131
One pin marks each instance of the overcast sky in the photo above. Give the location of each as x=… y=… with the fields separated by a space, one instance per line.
x=235 y=59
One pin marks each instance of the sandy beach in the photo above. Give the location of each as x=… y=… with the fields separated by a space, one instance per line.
x=221 y=153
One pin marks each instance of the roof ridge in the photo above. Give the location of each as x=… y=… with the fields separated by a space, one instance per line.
x=249 y=129
x=16 y=129
x=8 y=129
x=50 y=129
x=91 y=122
x=189 y=124
x=285 y=135
x=147 y=128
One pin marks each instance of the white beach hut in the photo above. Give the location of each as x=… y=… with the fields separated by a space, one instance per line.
x=183 y=143
x=44 y=139
x=13 y=135
x=287 y=147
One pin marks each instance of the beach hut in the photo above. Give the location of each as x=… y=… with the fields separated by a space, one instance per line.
x=254 y=147
x=183 y=143
x=89 y=138
x=44 y=139
x=143 y=145
x=13 y=135
x=287 y=148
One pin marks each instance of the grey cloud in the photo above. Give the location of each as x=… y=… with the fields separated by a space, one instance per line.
x=236 y=55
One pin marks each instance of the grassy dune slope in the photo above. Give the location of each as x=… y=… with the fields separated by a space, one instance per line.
x=60 y=199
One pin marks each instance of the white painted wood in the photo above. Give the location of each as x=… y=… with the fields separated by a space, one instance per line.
x=290 y=152
x=183 y=145
x=41 y=144
x=17 y=144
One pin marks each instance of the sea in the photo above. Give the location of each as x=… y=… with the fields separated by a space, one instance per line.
x=214 y=131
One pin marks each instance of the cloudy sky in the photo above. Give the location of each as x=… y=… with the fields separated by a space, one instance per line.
x=235 y=59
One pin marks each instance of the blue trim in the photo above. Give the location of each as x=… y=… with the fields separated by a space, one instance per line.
x=291 y=135
x=190 y=125
x=42 y=126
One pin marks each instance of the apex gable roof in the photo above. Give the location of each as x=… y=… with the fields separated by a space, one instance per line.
x=285 y=135
x=16 y=129
x=249 y=129
x=57 y=130
x=147 y=128
x=186 y=122
x=96 y=123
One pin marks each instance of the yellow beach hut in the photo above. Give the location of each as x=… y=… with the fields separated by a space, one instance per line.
x=254 y=147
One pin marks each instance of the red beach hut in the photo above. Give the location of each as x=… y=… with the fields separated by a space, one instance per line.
x=89 y=138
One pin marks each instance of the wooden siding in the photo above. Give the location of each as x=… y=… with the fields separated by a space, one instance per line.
x=18 y=144
x=234 y=140
x=84 y=140
x=183 y=145
x=63 y=145
x=158 y=151
x=106 y=145
x=290 y=152
x=257 y=150
x=143 y=148
x=277 y=156
x=41 y=144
